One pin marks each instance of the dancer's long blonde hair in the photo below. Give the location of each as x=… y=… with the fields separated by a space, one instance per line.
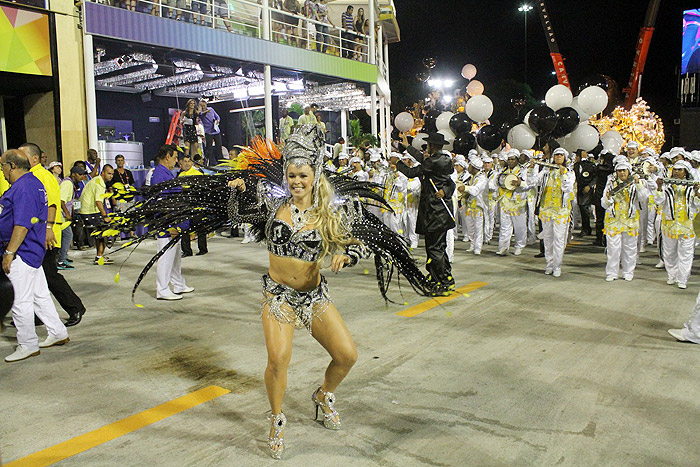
x=330 y=221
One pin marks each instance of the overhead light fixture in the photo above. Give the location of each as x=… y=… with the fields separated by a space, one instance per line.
x=279 y=87
x=240 y=93
x=297 y=85
x=256 y=91
x=525 y=8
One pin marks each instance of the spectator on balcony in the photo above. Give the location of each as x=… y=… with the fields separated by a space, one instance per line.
x=360 y=31
x=320 y=124
x=278 y=19
x=221 y=11
x=291 y=22
x=210 y=121
x=323 y=38
x=199 y=11
x=286 y=125
x=176 y=9
x=347 y=34
x=308 y=28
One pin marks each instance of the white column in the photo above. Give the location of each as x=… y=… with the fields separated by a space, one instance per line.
x=388 y=122
x=386 y=76
x=382 y=126
x=90 y=98
x=344 y=127
x=269 y=132
x=373 y=108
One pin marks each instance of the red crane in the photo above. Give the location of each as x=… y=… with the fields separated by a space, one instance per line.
x=557 y=59
x=640 y=56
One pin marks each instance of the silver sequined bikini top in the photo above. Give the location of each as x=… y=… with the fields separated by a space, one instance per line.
x=283 y=241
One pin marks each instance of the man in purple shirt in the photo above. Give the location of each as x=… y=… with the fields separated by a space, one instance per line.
x=169 y=265
x=210 y=121
x=23 y=216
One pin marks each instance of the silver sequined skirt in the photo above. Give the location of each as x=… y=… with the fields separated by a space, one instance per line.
x=291 y=306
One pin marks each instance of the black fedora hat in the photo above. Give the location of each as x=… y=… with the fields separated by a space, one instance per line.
x=436 y=138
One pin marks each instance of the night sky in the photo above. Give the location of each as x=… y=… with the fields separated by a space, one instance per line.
x=593 y=36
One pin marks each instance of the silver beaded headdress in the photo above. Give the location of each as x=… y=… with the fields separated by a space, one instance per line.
x=305 y=147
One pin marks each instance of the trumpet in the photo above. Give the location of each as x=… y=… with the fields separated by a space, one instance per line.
x=621 y=186
x=548 y=164
x=680 y=181
x=643 y=170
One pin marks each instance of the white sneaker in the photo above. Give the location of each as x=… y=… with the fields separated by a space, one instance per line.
x=548 y=271
x=170 y=297
x=671 y=281
x=51 y=341
x=21 y=353
x=470 y=249
x=643 y=249
x=678 y=335
x=465 y=239
x=187 y=290
x=610 y=278
x=477 y=252
x=659 y=265
x=628 y=277
x=246 y=240
x=502 y=252
x=518 y=251
x=682 y=285
x=556 y=273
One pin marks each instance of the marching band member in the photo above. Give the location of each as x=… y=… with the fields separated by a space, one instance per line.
x=647 y=157
x=527 y=164
x=513 y=204
x=343 y=159
x=453 y=205
x=474 y=196
x=622 y=220
x=680 y=204
x=490 y=214
x=412 y=201
x=397 y=185
x=555 y=196
x=358 y=172
x=460 y=164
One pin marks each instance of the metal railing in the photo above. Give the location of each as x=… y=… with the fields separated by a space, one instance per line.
x=245 y=17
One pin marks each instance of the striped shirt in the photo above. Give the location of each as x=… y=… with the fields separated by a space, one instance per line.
x=348 y=21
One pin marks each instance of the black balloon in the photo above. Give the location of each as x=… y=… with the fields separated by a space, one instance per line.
x=464 y=143
x=429 y=62
x=423 y=76
x=489 y=137
x=460 y=123
x=430 y=121
x=505 y=127
x=542 y=120
x=567 y=121
x=7 y=296
x=593 y=80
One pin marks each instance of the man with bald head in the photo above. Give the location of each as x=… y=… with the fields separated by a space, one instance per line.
x=58 y=286
x=22 y=238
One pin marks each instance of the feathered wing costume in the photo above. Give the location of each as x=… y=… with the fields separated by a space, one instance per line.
x=205 y=203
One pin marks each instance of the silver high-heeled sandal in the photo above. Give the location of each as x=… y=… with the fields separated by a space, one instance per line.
x=276 y=442
x=331 y=420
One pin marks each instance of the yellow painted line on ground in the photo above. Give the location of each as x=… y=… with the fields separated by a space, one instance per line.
x=432 y=303
x=94 y=438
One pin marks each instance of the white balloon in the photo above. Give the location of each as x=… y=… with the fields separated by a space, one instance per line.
x=404 y=121
x=443 y=121
x=593 y=100
x=612 y=141
x=526 y=119
x=583 y=116
x=521 y=137
x=479 y=108
x=475 y=88
x=584 y=137
x=419 y=141
x=558 y=96
x=468 y=71
x=450 y=137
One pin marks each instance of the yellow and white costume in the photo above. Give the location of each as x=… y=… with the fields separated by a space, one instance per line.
x=555 y=196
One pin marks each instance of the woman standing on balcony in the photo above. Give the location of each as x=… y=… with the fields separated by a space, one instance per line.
x=360 y=30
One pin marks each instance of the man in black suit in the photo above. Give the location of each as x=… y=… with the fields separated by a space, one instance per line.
x=586 y=171
x=435 y=209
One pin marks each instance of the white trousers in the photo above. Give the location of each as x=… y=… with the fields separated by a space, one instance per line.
x=651 y=226
x=475 y=232
x=554 y=236
x=462 y=218
x=622 y=248
x=692 y=326
x=169 y=269
x=643 y=219
x=489 y=222
x=32 y=297
x=411 y=219
x=531 y=227
x=678 y=257
x=510 y=223
x=396 y=222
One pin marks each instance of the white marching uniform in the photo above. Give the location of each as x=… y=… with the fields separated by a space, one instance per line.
x=475 y=203
x=691 y=329
x=513 y=211
x=679 y=206
x=412 y=201
x=396 y=197
x=622 y=226
x=490 y=218
x=555 y=197
x=532 y=173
